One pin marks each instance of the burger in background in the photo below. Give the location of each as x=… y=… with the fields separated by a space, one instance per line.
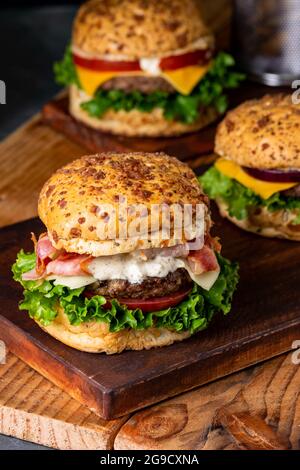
x=256 y=179
x=144 y=67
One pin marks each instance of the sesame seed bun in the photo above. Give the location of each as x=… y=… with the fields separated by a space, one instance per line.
x=73 y=202
x=136 y=123
x=267 y=224
x=137 y=28
x=262 y=133
x=94 y=337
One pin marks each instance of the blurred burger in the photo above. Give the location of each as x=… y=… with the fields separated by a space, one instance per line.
x=143 y=67
x=256 y=179
x=102 y=293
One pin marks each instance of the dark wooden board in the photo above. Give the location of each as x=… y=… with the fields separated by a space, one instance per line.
x=56 y=115
x=264 y=321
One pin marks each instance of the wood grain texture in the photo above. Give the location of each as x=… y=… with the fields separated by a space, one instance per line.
x=273 y=395
x=33 y=409
x=184 y=422
x=255 y=409
x=27 y=158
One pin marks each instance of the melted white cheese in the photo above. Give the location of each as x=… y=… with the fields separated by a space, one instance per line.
x=134 y=270
x=130 y=268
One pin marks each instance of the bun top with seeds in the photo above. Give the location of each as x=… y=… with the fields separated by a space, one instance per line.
x=80 y=202
x=262 y=133
x=139 y=28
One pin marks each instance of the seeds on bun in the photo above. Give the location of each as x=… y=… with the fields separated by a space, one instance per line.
x=135 y=29
x=262 y=133
x=145 y=68
x=256 y=179
x=73 y=201
x=126 y=260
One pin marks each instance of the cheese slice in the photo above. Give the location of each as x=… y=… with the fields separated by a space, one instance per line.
x=183 y=80
x=264 y=189
x=73 y=282
x=204 y=280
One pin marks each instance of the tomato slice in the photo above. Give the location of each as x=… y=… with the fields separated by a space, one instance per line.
x=156 y=303
x=107 y=65
x=198 y=57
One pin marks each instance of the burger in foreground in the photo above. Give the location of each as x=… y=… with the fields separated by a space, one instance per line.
x=256 y=180
x=144 y=68
x=102 y=294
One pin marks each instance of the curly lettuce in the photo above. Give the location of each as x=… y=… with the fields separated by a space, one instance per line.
x=210 y=91
x=42 y=298
x=240 y=199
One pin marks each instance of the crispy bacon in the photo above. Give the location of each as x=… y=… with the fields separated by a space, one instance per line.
x=45 y=252
x=69 y=264
x=49 y=260
x=32 y=275
x=203 y=260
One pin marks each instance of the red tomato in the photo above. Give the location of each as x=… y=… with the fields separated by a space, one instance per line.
x=156 y=303
x=107 y=65
x=201 y=57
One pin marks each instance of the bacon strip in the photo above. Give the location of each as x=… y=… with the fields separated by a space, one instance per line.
x=69 y=264
x=32 y=275
x=49 y=260
x=203 y=260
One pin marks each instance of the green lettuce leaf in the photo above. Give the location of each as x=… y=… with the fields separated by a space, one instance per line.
x=64 y=70
x=240 y=199
x=42 y=298
x=209 y=92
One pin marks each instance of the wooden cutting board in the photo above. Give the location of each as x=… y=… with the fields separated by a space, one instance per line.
x=34 y=409
x=264 y=322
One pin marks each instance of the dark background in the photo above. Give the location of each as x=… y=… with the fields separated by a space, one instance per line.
x=33 y=35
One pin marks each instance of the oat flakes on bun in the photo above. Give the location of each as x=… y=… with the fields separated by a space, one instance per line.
x=114 y=269
x=256 y=179
x=144 y=68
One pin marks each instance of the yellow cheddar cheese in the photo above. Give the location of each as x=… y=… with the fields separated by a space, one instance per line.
x=183 y=80
x=264 y=189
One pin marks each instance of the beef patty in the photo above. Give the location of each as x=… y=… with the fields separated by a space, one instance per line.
x=293 y=192
x=149 y=288
x=143 y=84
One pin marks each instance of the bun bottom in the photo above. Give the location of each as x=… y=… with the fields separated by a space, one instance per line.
x=135 y=123
x=94 y=337
x=265 y=223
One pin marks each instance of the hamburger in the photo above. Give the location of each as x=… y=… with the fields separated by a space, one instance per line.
x=255 y=180
x=144 y=68
x=136 y=289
